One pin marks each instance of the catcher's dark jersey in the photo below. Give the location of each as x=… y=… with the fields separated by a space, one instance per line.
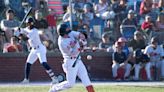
x=119 y=57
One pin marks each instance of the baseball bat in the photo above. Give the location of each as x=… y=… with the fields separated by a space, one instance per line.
x=76 y=60
x=17 y=33
x=24 y=18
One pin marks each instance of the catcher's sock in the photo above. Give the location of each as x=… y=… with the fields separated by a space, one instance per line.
x=90 y=88
x=27 y=70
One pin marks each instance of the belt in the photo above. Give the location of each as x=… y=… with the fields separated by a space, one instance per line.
x=73 y=57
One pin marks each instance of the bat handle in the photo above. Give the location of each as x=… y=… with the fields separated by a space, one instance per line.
x=76 y=60
x=73 y=64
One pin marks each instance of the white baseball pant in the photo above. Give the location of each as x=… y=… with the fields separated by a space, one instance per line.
x=157 y=64
x=137 y=68
x=35 y=53
x=162 y=68
x=116 y=66
x=71 y=74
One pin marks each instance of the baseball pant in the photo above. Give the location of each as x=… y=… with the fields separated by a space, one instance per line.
x=137 y=70
x=71 y=74
x=157 y=64
x=36 y=53
x=162 y=68
x=116 y=66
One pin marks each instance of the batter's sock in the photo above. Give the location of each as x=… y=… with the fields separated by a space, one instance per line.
x=27 y=70
x=51 y=73
x=46 y=66
x=90 y=88
x=48 y=70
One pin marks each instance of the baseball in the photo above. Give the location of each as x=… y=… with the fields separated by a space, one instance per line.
x=89 y=57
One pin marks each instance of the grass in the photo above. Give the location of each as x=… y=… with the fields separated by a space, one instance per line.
x=80 y=88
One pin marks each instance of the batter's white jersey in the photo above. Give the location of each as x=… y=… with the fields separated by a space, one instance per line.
x=33 y=35
x=64 y=45
x=38 y=50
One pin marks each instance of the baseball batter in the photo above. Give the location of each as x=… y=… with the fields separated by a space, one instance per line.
x=38 y=50
x=69 y=46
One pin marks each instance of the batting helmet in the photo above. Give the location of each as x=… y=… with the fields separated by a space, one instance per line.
x=29 y=20
x=62 y=29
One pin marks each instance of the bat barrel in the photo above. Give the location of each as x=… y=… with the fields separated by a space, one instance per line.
x=28 y=12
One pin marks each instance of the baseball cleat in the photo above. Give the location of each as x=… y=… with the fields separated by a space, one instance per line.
x=25 y=81
x=55 y=80
x=52 y=90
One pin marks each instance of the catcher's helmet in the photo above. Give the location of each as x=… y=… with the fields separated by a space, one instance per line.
x=62 y=29
x=29 y=20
